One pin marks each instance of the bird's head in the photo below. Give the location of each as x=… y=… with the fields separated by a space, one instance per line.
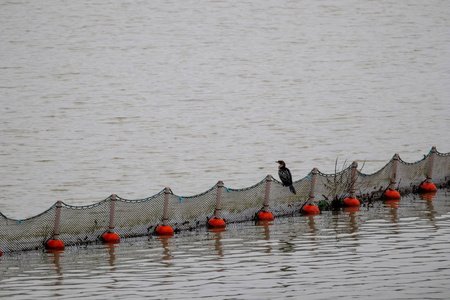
x=281 y=163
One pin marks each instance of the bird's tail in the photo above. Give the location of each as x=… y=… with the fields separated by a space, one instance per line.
x=291 y=188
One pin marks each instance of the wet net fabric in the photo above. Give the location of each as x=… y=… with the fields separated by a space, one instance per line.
x=283 y=202
x=368 y=184
x=80 y=224
x=140 y=217
x=441 y=167
x=187 y=213
x=242 y=204
x=412 y=174
x=137 y=217
x=329 y=186
x=29 y=234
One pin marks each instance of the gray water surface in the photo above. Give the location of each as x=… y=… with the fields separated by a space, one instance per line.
x=130 y=97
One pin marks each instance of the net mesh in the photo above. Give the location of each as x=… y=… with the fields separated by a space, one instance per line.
x=283 y=202
x=187 y=213
x=368 y=184
x=32 y=233
x=330 y=186
x=85 y=224
x=412 y=174
x=138 y=217
x=441 y=167
x=80 y=224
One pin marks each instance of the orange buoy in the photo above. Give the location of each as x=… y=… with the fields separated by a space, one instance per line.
x=390 y=194
x=111 y=237
x=55 y=245
x=351 y=202
x=217 y=223
x=310 y=209
x=427 y=187
x=266 y=216
x=164 y=230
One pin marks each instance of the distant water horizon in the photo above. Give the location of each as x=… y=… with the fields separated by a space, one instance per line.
x=130 y=98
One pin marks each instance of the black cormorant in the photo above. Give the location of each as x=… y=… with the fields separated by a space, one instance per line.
x=285 y=175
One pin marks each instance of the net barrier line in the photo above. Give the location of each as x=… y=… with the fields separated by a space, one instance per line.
x=79 y=225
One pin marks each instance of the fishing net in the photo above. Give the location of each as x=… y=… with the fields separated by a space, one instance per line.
x=85 y=224
x=187 y=213
x=32 y=233
x=138 y=217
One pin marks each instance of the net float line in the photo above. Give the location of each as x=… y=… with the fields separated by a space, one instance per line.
x=65 y=225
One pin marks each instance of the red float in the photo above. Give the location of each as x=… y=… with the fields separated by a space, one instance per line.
x=111 y=237
x=55 y=245
x=164 y=230
x=310 y=209
x=266 y=216
x=389 y=194
x=427 y=187
x=216 y=223
x=1 y=253
x=351 y=202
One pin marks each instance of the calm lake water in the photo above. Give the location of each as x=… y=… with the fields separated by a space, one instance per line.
x=128 y=97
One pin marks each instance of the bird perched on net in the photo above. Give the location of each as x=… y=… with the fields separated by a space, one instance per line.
x=285 y=175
